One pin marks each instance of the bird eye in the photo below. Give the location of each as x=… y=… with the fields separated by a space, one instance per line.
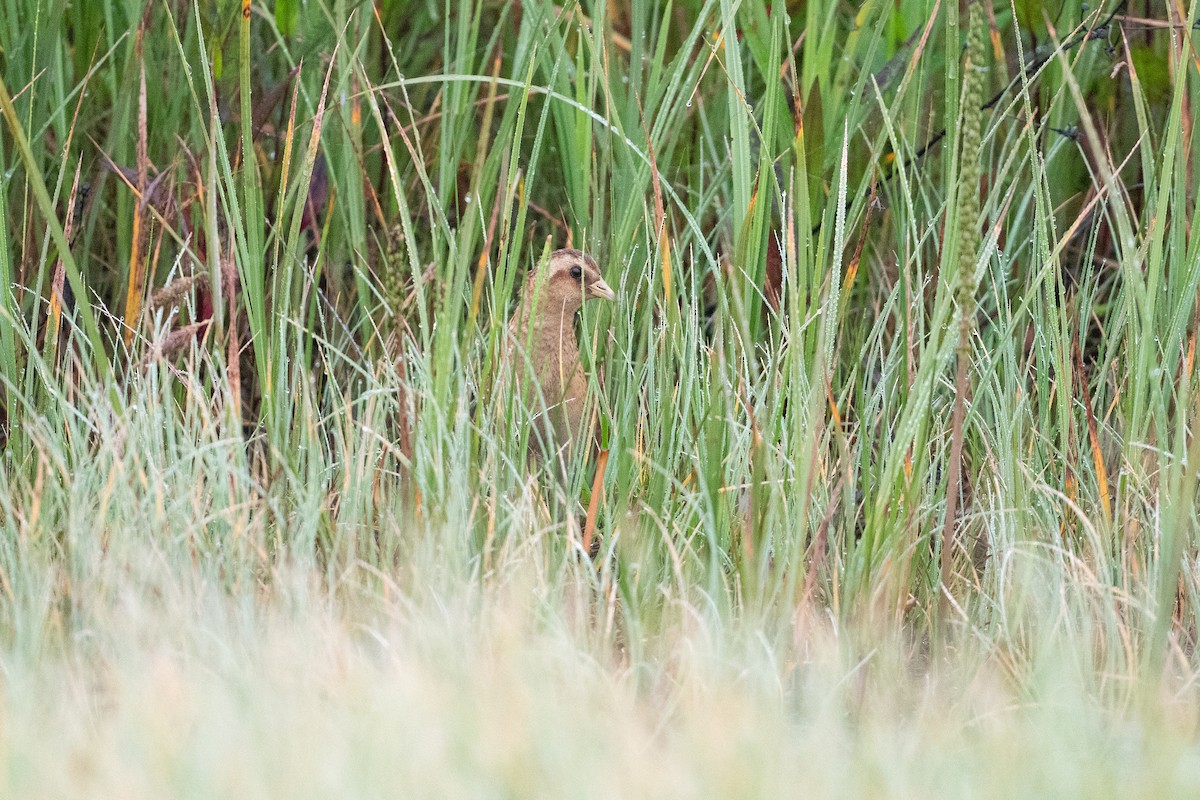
x=576 y=272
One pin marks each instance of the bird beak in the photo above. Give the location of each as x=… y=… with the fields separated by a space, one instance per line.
x=601 y=290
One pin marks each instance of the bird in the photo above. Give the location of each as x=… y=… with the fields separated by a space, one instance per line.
x=543 y=354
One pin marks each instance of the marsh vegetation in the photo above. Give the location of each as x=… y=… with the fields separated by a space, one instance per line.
x=897 y=409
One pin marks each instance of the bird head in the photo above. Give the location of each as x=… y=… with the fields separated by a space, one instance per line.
x=568 y=279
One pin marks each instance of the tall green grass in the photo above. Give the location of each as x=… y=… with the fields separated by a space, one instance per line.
x=899 y=395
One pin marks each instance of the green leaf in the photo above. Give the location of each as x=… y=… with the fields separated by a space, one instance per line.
x=287 y=12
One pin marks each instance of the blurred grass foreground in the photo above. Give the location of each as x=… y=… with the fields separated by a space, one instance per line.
x=897 y=404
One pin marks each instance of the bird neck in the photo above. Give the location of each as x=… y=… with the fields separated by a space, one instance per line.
x=550 y=323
